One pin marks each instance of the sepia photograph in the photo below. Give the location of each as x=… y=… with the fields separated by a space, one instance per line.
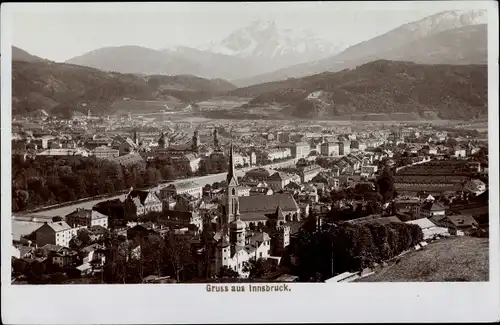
x=258 y=149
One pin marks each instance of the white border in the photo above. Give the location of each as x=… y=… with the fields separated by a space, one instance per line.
x=353 y=302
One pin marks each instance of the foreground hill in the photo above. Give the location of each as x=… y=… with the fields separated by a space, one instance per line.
x=380 y=87
x=456 y=259
x=450 y=37
x=61 y=89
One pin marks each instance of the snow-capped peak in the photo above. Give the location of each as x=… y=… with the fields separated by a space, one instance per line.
x=264 y=39
x=448 y=20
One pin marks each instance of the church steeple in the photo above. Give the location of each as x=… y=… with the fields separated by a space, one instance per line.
x=216 y=139
x=232 y=208
x=231 y=175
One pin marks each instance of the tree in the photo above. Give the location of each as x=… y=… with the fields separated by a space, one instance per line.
x=257 y=268
x=226 y=272
x=82 y=239
x=385 y=184
x=177 y=253
x=338 y=195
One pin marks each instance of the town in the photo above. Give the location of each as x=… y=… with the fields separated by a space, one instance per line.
x=166 y=199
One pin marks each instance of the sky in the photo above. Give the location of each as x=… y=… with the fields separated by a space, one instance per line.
x=59 y=32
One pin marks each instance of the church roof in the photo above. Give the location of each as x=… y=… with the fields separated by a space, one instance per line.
x=267 y=203
x=278 y=214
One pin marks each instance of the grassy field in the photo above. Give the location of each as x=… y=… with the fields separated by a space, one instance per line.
x=455 y=259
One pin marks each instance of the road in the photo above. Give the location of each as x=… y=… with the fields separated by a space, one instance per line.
x=84 y=204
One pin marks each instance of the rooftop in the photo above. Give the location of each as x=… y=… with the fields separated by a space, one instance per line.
x=267 y=203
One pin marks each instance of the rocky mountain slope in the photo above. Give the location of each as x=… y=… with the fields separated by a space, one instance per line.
x=451 y=91
x=437 y=39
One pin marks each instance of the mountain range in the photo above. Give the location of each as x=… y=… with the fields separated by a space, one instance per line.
x=378 y=87
x=446 y=78
x=450 y=37
x=60 y=89
x=258 y=48
x=262 y=52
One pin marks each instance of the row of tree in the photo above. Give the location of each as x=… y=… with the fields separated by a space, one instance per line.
x=345 y=247
x=51 y=180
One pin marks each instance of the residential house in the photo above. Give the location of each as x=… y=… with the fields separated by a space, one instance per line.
x=407 y=204
x=459 y=152
x=279 y=180
x=105 y=152
x=127 y=147
x=293 y=188
x=357 y=145
x=183 y=218
x=329 y=149
x=309 y=172
x=241 y=160
x=186 y=202
x=457 y=222
x=191 y=188
x=369 y=170
x=344 y=147
x=429 y=229
x=55 y=233
x=276 y=153
x=129 y=160
x=432 y=210
x=475 y=186
x=64 y=152
x=299 y=149
x=139 y=203
x=84 y=217
x=62 y=256
x=93 y=253
x=261 y=191
x=188 y=161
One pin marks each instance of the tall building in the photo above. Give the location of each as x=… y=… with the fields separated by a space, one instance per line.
x=216 y=139
x=163 y=141
x=196 y=141
x=136 y=139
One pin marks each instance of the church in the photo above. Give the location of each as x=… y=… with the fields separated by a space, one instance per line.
x=238 y=244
